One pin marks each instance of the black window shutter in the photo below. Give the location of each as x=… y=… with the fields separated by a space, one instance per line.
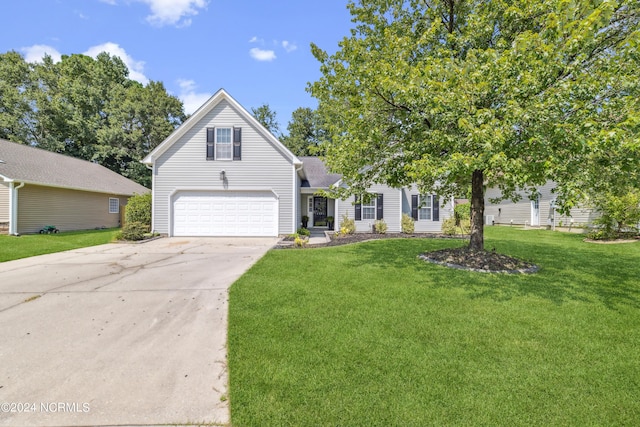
x=210 y=145
x=379 y=209
x=414 y=207
x=237 y=143
x=358 y=209
x=435 y=203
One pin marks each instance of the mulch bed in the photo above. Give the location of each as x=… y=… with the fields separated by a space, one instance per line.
x=481 y=261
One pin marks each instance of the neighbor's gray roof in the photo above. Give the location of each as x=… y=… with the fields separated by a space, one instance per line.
x=22 y=163
x=316 y=173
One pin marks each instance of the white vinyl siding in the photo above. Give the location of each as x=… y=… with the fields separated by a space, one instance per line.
x=392 y=203
x=422 y=225
x=520 y=212
x=264 y=167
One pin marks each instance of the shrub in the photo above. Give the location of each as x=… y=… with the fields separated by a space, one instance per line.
x=348 y=225
x=300 y=242
x=380 y=226
x=462 y=212
x=449 y=226
x=303 y=232
x=139 y=210
x=407 y=223
x=133 y=231
x=619 y=214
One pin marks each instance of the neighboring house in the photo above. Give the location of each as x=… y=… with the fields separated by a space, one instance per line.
x=536 y=212
x=221 y=173
x=39 y=187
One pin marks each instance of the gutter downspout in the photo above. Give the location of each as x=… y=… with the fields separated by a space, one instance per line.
x=13 y=208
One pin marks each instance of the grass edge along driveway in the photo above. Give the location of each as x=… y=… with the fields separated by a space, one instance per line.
x=367 y=334
x=28 y=245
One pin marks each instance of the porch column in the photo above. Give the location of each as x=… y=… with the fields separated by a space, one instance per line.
x=13 y=207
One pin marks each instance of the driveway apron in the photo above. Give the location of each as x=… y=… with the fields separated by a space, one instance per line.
x=120 y=334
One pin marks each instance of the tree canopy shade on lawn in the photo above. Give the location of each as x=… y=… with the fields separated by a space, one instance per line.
x=458 y=95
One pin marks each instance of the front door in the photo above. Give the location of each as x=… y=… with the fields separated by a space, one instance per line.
x=535 y=212
x=319 y=211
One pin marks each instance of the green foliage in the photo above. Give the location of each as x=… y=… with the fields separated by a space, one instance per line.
x=451 y=227
x=618 y=215
x=300 y=241
x=462 y=211
x=267 y=118
x=511 y=93
x=133 y=231
x=407 y=223
x=380 y=226
x=348 y=225
x=306 y=133
x=138 y=209
x=303 y=232
x=86 y=108
x=39 y=244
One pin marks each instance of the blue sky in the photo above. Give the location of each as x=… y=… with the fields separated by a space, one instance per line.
x=259 y=51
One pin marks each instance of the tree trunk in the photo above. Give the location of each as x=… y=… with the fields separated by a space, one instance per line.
x=476 y=242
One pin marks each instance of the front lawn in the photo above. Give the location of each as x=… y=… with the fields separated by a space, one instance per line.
x=12 y=247
x=367 y=334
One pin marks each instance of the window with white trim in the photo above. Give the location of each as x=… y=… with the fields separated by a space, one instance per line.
x=424 y=210
x=114 y=205
x=223 y=141
x=369 y=209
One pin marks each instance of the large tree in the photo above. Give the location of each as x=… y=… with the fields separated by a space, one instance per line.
x=458 y=95
x=267 y=118
x=86 y=108
x=306 y=133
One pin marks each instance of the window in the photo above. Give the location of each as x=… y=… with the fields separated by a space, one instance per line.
x=424 y=212
x=372 y=209
x=369 y=209
x=224 y=149
x=114 y=205
x=425 y=208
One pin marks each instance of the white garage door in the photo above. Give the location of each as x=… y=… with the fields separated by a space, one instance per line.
x=225 y=214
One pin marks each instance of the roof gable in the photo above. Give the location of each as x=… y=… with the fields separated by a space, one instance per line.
x=201 y=113
x=316 y=174
x=23 y=163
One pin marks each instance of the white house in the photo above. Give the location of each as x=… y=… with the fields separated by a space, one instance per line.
x=221 y=173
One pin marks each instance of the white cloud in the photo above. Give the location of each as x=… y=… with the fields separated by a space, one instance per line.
x=173 y=12
x=36 y=52
x=288 y=46
x=261 y=54
x=255 y=39
x=111 y=2
x=189 y=97
x=136 y=68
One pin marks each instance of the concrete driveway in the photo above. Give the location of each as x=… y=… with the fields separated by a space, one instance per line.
x=120 y=334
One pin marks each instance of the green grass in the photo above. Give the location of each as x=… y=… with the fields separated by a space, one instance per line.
x=12 y=247
x=369 y=335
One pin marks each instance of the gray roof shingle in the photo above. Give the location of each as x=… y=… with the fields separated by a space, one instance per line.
x=36 y=166
x=317 y=174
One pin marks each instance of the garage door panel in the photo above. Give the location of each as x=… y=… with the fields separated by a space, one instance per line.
x=225 y=214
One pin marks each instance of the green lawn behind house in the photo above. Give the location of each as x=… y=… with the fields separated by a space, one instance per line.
x=368 y=335
x=12 y=247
